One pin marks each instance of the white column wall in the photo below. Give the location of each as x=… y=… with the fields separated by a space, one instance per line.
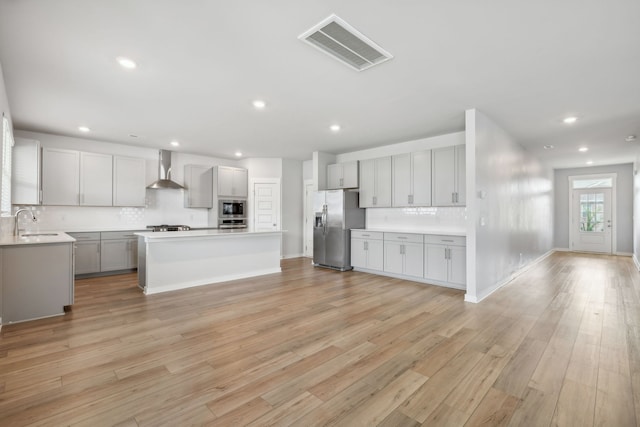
x=636 y=212
x=510 y=207
x=292 y=208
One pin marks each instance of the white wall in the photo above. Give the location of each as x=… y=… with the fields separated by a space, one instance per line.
x=320 y=162
x=263 y=167
x=292 y=208
x=624 y=204
x=510 y=206
x=289 y=172
x=636 y=211
x=307 y=169
x=6 y=224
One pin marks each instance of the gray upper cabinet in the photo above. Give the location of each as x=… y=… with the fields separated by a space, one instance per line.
x=375 y=183
x=60 y=177
x=72 y=178
x=342 y=175
x=230 y=182
x=198 y=183
x=96 y=179
x=449 y=176
x=129 y=187
x=25 y=180
x=412 y=179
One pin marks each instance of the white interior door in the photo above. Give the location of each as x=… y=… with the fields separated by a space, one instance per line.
x=266 y=206
x=308 y=218
x=591 y=225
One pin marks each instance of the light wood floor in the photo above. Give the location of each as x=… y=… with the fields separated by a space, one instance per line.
x=558 y=346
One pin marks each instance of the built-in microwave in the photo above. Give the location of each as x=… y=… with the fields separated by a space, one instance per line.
x=231 y=208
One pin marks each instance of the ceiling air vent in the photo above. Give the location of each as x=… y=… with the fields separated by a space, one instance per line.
x=337 y=38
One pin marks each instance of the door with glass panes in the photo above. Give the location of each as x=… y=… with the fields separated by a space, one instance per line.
x=591 y=223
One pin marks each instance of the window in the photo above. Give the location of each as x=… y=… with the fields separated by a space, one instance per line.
x=592 y=212
x=592 y=183
x=5 y=189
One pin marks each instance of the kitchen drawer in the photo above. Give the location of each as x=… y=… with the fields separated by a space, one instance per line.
x=362 y=234
x=404 y=237
x=112 y=235
x=445 y=240
x=85 y=236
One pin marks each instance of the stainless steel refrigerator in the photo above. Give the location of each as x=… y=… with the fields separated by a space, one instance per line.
x=336 y=213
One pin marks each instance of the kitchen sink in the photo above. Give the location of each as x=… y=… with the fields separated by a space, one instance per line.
x=38 y=234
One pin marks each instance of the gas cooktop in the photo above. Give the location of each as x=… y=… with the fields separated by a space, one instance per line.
x=165 y=227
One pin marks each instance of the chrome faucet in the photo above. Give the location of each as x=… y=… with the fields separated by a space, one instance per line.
x=16 y=230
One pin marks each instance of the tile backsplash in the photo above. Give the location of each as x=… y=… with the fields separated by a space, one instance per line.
x=162 y=207
x=411 y=219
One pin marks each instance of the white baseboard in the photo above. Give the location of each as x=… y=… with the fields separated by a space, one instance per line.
x=623 y=254
x=477 y=298
x=292 y=256
x=636 y=262
x=561 y=249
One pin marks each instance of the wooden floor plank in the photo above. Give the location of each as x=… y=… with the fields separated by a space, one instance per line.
x=560 y=345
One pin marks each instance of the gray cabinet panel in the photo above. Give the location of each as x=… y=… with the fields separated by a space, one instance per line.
x=60 y=177
x=87 y=257
x=31 y=293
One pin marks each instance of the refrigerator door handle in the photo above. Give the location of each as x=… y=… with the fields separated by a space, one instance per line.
x=324 y=219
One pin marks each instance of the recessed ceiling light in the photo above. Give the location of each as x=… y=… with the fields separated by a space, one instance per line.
x=335 y=128
x=84 y=129
x=175 y=143
x=583 y=149
x=548 y=147
x=127 y=63
x=259 y=104
x=630 y=138
x=589 y=162
x=569 y=120
x=238 y=154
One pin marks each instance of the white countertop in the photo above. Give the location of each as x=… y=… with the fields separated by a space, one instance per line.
x=60 y=237
x=434 y=231
x=160 y=235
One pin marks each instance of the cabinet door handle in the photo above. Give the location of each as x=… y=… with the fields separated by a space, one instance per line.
x=453 y=197
x=341 y=182
x=375 y=200
x=366 y=246
x=402 y=238
x=445 y=240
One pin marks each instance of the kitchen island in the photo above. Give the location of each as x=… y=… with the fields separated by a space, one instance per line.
x=174 y=260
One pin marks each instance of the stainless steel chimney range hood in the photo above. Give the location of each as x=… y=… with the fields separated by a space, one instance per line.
x=164 y=173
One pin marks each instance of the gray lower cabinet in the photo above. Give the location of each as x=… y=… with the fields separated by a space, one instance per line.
x=36 y=280
x=445 y=259
x=118 y=250
x=87 y=252
x=367 y=250
x=105 y=251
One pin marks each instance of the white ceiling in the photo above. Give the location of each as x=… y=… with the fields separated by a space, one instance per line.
x=527 y=64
